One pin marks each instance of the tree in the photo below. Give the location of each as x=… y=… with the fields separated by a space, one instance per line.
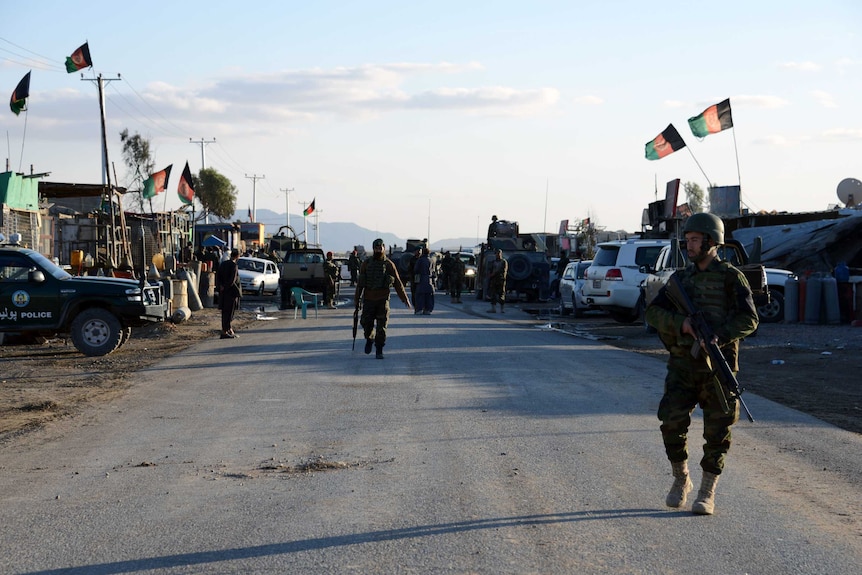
x=695 y=197
x=139 y=161
x=216 y=193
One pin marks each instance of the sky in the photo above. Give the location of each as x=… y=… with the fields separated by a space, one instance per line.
x=424 y=119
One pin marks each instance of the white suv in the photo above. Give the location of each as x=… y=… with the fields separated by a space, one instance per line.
x=614 y=278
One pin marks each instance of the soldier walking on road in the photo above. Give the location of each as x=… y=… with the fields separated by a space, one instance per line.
x=498 y=269
x=456 y=278
x=376 y=276
x=722 y=293
x=353 y=265
x=332 y=273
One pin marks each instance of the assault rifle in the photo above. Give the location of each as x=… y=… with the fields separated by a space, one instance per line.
x=356 y=322
x=726 y=384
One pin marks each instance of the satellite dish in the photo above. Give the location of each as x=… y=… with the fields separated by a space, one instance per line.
x=850 y=191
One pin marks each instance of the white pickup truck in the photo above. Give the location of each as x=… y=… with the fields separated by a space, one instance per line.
x=767 y=284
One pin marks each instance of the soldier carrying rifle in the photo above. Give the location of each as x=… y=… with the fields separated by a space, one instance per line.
x=725 y=314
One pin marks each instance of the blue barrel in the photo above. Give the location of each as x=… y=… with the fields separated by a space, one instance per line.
x=832 y=310
x=812 y=300
x=791 y=300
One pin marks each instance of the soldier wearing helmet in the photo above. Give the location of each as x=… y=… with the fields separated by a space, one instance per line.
x=722 y=293
x=377 y=275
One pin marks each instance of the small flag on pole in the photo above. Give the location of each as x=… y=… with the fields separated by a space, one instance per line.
x=666 y=143
x=156 y=183
x=18 y=102
x=79 y=59
x=310 y=209
x=713 y=120
x=185 y=190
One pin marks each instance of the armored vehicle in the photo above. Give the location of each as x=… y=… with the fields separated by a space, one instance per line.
x=529 y=268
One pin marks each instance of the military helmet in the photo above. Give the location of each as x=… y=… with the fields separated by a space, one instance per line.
x=708 y=224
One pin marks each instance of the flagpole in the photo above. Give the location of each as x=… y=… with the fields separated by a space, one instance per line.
x=708 y=182
x=736 y=152
x=23 y=139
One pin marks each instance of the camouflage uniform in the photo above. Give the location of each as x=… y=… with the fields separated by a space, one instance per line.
x=722 y=293
x=332 y=272
x=376 y=277
x=497 y=271
x=456 y=278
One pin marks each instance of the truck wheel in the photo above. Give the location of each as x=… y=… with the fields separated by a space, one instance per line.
x=125 y=335
x=96 y=331
x=520 y=267
x=773 y=312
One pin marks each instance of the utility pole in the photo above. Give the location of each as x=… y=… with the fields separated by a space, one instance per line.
x=317 y=227
x=287 y=203
x=203 y=144
x=106 y=176
x=254 y=178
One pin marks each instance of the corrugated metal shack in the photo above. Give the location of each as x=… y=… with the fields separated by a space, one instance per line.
x=90 y=218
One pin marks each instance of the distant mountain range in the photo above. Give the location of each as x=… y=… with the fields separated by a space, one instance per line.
x=340 y=237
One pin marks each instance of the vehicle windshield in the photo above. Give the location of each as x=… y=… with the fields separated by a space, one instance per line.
x=468 y=259
x=249 y=265
x=50 y=267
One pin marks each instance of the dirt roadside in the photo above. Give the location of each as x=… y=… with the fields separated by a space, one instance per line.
x=819 y=373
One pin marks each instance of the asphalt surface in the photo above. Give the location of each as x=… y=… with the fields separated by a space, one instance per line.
x=481 y=444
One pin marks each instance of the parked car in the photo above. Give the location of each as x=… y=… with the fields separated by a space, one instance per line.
x=258 y=276
x=572 y=298
x=613 y=281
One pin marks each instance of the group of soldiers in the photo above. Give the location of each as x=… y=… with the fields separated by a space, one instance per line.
x=452 y=271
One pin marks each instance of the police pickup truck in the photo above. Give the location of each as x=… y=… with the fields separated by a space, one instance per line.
x=39 y=298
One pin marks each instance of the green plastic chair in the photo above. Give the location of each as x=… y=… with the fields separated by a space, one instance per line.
x=303 y=299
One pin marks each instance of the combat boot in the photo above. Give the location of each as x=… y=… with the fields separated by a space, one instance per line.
x=493 y=308
x=379 y=354
x=705 y=502
x=501 y=309
x=368 y=344
x=681 y=485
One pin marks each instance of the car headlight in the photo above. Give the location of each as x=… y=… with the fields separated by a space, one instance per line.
x=470 y=272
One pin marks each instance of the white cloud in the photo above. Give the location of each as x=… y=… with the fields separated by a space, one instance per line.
x=676 y=104
x=842 y=135
x=779 y=141
x=825 y=99
x=801 y=66
x=759 y=101
x=589 y=100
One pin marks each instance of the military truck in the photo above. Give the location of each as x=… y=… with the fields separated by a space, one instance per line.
x=529 y=268
x=299 y=265
x=40 y=299
x=402 y=257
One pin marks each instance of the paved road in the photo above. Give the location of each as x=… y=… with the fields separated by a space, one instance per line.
x=481 y=444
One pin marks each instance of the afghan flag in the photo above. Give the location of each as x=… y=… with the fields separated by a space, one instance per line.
x=79 y=59
x=310 y=209
x=664 y=144
x=18 y=102
x=185 y=190
x=156 y=183
x=713 y=120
